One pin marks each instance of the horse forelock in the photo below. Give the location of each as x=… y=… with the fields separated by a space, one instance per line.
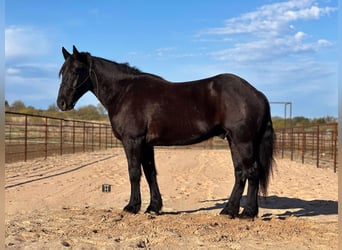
x=65 y=67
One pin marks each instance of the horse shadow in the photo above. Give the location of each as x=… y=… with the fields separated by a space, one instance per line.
x=298 y=207
x=292 y=206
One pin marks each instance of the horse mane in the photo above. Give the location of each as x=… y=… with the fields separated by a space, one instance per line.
x=123 y=68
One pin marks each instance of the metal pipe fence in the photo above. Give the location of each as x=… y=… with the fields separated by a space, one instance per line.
x=315 y=144
x=30 y=136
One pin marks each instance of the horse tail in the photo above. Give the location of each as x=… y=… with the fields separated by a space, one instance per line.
x=266 y=151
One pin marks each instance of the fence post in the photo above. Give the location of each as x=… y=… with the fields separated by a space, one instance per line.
x=100 y=136
x=317 y=154
x=303 y=144
x=92 y=137
x=84 y=136
x=106 y=137
x=313 y=144
x=335 y=146
x=292 y=143
x=46 y=137
x=73 y=137
x=111 y=138
x=282 y=143
x=25 y=140
x=61 y=137
x=10 y=133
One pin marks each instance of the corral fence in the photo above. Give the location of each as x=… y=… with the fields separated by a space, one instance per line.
x=314 y=144
x=30 y=136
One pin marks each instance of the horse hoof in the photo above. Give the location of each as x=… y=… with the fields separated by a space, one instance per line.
x=153 y=210
x=132 y=209
x=227 y=213
x=245 y=215
x=230 y=216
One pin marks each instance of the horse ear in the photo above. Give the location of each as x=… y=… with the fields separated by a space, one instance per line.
x=66 y=54
x=75 y=51
x=77 y=55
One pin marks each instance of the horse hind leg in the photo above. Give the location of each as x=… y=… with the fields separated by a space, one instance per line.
x=232 y=207
x=251 y=208
x=150 y=172
x=252 y=174
x=243 y=160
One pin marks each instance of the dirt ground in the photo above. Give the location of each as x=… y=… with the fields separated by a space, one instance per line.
x=58 y=203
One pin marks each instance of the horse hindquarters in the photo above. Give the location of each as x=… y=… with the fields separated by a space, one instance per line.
x=253 y=162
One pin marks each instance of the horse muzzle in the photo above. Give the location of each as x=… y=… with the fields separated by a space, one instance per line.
x=64 y=106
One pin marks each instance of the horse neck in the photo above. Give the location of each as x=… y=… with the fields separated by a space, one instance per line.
x=106 y=83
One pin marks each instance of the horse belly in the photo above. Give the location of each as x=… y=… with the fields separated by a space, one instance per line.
x=183 y=132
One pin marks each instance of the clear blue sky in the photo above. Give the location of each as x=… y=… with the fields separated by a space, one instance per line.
x=286 y=49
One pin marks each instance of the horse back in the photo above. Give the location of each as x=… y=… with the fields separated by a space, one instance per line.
x=184 y=113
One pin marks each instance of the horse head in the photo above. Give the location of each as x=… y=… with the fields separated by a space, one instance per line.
x=76 y=78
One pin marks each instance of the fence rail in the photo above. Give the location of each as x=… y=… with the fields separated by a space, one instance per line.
x=30 y=136
x=314 y=144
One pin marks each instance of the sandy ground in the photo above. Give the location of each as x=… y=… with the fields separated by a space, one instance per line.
x=58 y=203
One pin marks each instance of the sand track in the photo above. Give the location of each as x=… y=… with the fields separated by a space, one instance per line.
x=58 y=203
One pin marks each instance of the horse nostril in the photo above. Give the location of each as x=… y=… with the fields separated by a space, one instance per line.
x=62 y=105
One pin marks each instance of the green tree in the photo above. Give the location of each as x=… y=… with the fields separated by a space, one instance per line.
x=17 y=106
x=300 y=120
x=101 y=110
x=89 y=112
x=53 y=108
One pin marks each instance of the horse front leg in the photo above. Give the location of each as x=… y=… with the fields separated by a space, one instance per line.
x=133 y=150
x=150 y=171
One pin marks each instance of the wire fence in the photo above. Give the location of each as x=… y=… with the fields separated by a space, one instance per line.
x=31 y=136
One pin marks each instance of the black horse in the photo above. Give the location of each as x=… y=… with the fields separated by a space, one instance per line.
x=145 y=111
